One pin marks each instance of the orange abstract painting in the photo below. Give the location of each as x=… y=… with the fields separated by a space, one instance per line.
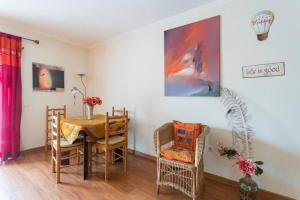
x=192 y=59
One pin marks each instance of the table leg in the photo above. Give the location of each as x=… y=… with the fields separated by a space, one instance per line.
x=86 y=158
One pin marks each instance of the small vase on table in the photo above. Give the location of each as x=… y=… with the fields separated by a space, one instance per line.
x=90 y=111
x=90 y=103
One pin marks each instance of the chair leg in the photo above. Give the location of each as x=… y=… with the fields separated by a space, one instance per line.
x=194 y=184
x=52 y=160
x=58 y=161
x=46 y=143
x=125 y=158
x=106 y=163
x=158 y=177
x=201 y=177
x=53 y=165
x=157 y=189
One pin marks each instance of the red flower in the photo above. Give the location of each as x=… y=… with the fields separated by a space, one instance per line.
x=92 y=101
x=246 y=165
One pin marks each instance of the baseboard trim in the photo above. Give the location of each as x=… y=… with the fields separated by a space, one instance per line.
x=221 y=179
x=217 y=178
x=142 y=155
x=33 y=149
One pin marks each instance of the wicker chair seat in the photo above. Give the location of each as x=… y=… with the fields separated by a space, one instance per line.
x=179 y=154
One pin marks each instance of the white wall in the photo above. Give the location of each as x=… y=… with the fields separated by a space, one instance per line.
x=129 y=70
x=53 y=52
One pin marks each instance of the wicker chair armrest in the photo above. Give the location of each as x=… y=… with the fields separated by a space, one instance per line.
x=163 y=135
x=200 y=144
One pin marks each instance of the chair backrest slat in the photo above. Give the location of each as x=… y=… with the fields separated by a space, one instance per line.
x=116 y=125
x=121 y=132
x=118 y=112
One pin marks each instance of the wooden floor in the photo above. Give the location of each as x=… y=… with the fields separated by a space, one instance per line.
x=30 y=178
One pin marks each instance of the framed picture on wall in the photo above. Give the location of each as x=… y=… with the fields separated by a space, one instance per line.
x=192 y=59
x=48 y=78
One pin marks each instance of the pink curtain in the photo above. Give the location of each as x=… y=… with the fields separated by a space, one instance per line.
x=10 y=96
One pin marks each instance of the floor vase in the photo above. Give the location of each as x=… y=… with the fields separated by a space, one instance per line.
x=248 y=188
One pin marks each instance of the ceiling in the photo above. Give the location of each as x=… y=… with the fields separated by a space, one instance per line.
x=88 y=22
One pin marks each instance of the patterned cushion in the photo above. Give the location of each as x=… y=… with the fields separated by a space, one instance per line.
x=185 y=134
x=112 y=140
x=178 y=153
x=65 y=143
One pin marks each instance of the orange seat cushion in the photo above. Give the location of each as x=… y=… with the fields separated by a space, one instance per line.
x=179 y=154
x=185 y=134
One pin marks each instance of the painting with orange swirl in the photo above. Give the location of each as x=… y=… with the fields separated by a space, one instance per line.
x=47 y=77
x=192 y=59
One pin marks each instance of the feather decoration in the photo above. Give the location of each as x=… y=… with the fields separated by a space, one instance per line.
x=237 y=114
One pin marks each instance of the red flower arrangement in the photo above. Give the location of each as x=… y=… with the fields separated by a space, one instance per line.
x=245 y=165
x=92 y=101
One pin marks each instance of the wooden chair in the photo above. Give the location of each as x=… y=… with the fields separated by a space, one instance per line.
x=116 y=137
x=59 y=146
x=48 y=130
x=115 y=112
x=185 y=177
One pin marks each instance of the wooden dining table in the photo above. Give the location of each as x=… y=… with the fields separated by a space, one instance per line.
x=79 y=127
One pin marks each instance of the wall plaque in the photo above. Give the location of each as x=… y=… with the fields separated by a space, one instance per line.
x=264 y=70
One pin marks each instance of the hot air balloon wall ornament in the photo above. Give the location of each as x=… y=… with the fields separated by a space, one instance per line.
x=241 y=150
x=261 y=23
